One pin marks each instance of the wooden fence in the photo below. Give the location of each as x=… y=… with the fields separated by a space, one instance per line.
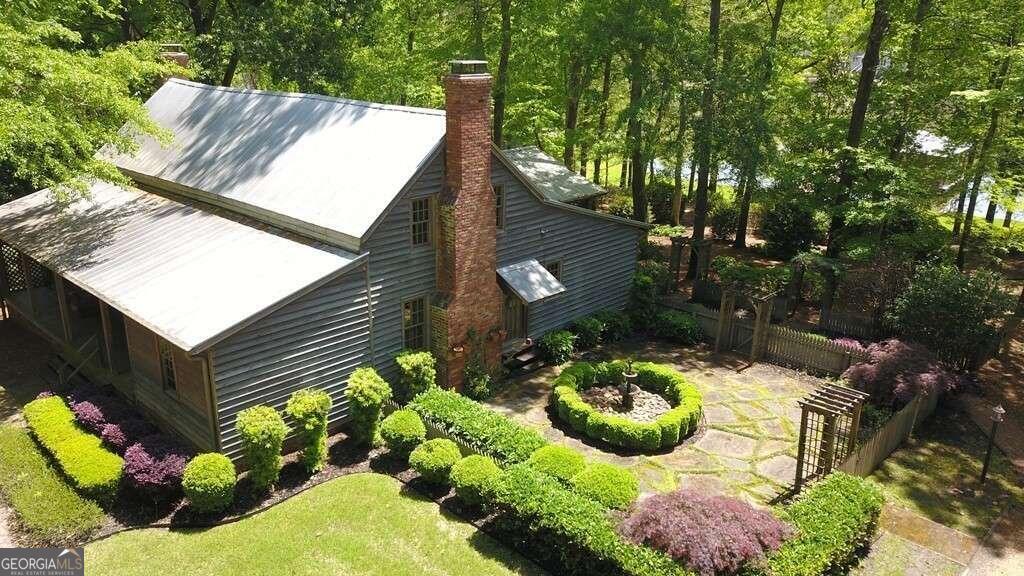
x=784 y=346
x=866 y=458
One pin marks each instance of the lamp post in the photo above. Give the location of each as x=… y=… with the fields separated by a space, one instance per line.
x=997 y=417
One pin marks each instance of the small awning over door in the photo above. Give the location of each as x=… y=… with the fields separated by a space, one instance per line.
x=530 y=281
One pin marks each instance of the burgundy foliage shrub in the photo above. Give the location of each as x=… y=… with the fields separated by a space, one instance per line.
x=709 y=534
x=114 y=437
x=154 y=465
x=849 y=343
x=896 y=371
x=89 y=415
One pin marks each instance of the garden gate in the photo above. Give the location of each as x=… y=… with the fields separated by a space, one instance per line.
x=829 y=424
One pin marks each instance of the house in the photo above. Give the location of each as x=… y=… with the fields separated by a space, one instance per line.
x=552 y=179
x=282 y=240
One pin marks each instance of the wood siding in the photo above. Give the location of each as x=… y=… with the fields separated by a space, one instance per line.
x=185 y=410
x=598 y=256
x=313 y=342
x=400 y=271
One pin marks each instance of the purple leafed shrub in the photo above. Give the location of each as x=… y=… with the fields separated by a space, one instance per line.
x=849 y=343
x=114 y=437
x=896 y=371
x=89 y=415
x=154 y=465
x=709 y=534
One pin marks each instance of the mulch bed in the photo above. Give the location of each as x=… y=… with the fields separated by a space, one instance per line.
x=647 y=406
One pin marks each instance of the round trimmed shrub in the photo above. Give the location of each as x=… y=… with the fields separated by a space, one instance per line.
x=560 y=462
x=262 y=431
x=610 y=485
x=209 y=482
x=309 y=409
x=473 y=477
x=367 y=392
x=434 y=459
x=403 y=431
x=418 y=373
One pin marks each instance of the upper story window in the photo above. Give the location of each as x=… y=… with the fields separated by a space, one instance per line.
x=421 y=220
x=167 y=372
x=414 y=324
x=555 y=268
x=499 y=207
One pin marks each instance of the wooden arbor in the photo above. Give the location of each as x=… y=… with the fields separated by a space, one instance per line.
x=829 y=425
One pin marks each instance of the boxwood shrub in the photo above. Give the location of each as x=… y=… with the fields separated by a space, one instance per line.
x=567 y=533
x=588 y=332
x=557 y=346
x=262 y=431
x=834 y=518
x=676 y=326
x=617 y=325
x=483 y=429
x=610 y=485
x=667 y=431
x=418 y=373
x=560 y=462
x=309 y=409
x=403 y=431
x=93 y=470
x=434 y=459
x=366 y=392
x=473 y=478
x=209 y=482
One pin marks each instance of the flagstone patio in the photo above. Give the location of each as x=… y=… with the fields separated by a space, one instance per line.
x=746 y=446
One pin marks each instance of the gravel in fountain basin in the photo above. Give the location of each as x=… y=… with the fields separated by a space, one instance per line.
x=647 y=406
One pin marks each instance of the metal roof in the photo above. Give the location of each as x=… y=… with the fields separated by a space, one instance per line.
x=192 y=276
x=333 y=163
x=551 y=177
x=530 y=281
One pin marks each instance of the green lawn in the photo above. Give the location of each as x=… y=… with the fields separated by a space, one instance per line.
x=936 y=474
x=356 y=525
x=48 y=509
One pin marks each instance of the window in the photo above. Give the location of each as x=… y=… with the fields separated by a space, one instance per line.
x=499 y=207
x=167 y=373
x=414 y=324
x=555 y=268
x=421 y=222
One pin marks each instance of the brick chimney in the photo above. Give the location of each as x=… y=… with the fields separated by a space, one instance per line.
x=470 y=301
x=174 y=53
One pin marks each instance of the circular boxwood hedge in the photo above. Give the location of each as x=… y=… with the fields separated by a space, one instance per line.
x=668 y=430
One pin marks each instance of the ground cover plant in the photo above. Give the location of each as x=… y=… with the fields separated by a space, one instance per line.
x=359 y=524
x=92 y=469
x=710 y=534
x=48 y=511
x=669 y=428
x=478 y=426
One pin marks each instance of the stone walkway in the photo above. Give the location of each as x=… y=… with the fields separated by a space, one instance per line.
x=747 y=447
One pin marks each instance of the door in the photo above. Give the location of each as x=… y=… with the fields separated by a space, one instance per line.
x=515 y=318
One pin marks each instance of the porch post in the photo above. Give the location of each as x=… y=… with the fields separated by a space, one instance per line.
x=26 y=272
x=62 y=305
x=108 y=340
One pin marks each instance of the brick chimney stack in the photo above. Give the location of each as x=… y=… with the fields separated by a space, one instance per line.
x=470 y=300
x=174 y=53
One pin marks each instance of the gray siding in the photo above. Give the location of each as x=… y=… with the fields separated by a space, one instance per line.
x=313 y=342
x=598 y=256
x=398 y=270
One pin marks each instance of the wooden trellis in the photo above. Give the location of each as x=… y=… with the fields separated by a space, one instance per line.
x=829 y=424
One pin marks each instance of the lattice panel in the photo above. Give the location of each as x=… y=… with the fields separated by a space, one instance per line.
x=12 y=267
x=39 y=275
x=829 y=425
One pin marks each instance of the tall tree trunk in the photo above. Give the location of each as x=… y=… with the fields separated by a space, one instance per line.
x=573 y=88
x=635 y=140
x=501 y=84
x=707 y=126
x=907 y=105
x=477 y=33
x=980 y=165
x=202 y=20
x=229 y=72
x=584 y=158
x=623 y=171
x=689 y=188
x=1008 y=218
x=602 y=118
x=872 y=52
x=677 y=183
x=959 y=216
x=768 y=70
x=990 y=214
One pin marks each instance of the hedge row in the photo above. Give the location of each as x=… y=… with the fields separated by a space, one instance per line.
x=834 y=519
x=92 y=469
x=667 y=431
x=48 y=510
x=567 y=532
x=485 y=430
